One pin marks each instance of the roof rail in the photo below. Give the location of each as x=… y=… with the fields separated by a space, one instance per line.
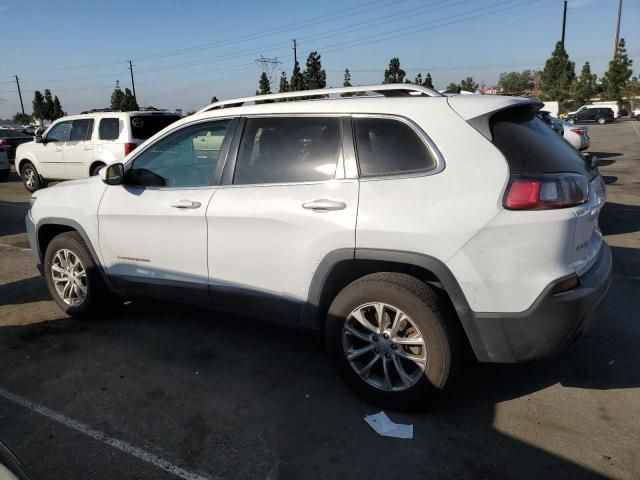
x=99 y=110
x=387 y=90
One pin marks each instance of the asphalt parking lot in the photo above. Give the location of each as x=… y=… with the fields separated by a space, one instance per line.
x=161 y=391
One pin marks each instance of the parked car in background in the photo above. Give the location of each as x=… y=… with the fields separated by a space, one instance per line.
x=576 y=135
x=303 y=212
x=636 y=114
x=78 y=146
x=10 y=139
x=550 y=120
x=5 y=166
x=592 y=114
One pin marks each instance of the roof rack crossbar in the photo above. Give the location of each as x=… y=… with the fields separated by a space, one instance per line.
x=387 y=90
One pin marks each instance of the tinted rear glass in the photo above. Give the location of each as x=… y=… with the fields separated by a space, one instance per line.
x=146 y=126
x=6 y=133
x=531 y=147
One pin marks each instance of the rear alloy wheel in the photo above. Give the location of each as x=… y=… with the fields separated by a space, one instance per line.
x=602 y=121
x=393 y=339
x=95 y=169
x=30 y=177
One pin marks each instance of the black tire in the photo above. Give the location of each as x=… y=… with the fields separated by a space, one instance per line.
x=433 y=316
x=4 y=174
x=95 y=169
x=37 y=182
x=97 y=293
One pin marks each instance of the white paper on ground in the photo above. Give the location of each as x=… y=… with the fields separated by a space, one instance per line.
x=385 y=427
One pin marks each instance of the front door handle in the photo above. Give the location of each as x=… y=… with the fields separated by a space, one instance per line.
x=88 y=148
x=324 y=205
x=186 y=204
x=58 y=149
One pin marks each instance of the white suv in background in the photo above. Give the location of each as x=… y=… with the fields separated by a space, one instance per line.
x=404 y=225
x=78 y=146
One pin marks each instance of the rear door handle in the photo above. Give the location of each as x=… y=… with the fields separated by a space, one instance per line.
x=324 y=205
x=186 y=204
x=88 y=148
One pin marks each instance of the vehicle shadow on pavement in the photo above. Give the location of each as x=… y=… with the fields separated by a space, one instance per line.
x=617 y=218
x=12 y=220
x=244 y=399
x=33 y=289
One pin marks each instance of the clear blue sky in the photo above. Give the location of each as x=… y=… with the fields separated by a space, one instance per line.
x=184 y=52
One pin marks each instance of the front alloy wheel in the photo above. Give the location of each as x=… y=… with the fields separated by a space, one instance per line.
x=384 y=346
x=69 y=277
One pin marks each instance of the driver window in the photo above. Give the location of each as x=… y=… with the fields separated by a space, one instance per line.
x=187 y=158
x=59 y=132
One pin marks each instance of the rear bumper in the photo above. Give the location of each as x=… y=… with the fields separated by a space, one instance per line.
x=550 y=325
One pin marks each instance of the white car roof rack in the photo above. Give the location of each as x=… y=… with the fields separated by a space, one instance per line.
x=386 y=90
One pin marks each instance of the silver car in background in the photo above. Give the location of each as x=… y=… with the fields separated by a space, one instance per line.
x=576 y=135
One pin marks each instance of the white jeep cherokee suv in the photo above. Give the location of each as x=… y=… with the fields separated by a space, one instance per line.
x=404 y=225
x=78 y=146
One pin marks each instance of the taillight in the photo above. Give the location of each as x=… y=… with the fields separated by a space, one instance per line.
x=582 y=133
x=3 y=142
x=541 y=192
x=129 y=147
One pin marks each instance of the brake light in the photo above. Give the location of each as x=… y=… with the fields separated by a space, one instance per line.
x=129 y=147
x=541 y=192
x=582 y=133
x=3 y=142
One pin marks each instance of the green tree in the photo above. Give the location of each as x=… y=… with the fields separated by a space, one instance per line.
x=583 y=87
x=214 y=100
x=469 y=85
x=632 y=92
x=264 y=85
x=619 y=73
x=48 y=105
x=347 y=78
x=57 y=109
x=117 y=97
x=394 y=74
x=418 y=79
x=558 y=75
x=314 y=75
x=516 y=83
x=428 y=82
x=38 y=106
x=453 y=88
x=284 y=83
x=129 y=103
x=297 y=79
x=22 y=119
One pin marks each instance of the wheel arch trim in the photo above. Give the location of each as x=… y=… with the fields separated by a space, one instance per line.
x=311 y=315
x=66 y=222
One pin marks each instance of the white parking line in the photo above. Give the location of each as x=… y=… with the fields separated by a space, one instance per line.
x=636 y=129
x=101 y=437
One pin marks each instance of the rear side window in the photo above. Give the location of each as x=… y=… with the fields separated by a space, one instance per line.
x=81 y=129
x=389 y=147
x=109 y=128
x=146 y=126
x=530 y=147
x=280 y=150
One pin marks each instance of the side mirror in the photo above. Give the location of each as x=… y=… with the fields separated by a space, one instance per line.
x=39 y=139
x=112 y=174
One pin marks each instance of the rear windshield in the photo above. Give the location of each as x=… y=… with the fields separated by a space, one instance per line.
x=6 y=133
x=146 y=126
x=531 y=147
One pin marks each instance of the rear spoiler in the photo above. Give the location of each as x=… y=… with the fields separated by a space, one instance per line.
x=478 y=112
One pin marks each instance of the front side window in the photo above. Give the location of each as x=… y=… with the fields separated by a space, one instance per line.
x=81 y=130
x=189 y=157
x=59 y=132
x=389 y=147
x=109 y=128
x=282 y=150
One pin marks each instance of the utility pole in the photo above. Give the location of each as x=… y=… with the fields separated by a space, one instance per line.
x=133 y=85
x=19 y=94
x=615 y=45
x=564 y=22
x=295 y=52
